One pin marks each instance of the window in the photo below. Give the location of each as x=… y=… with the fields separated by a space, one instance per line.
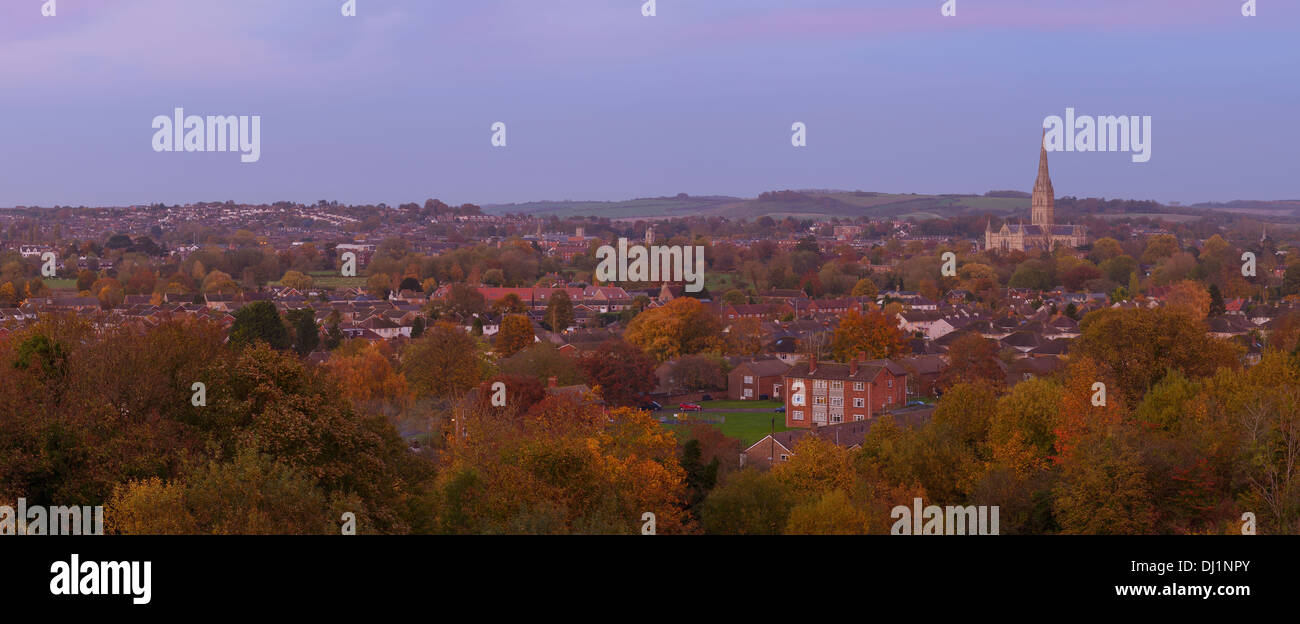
x=837 y=418
x=749 y=379
x=837 y=401
x=748 y=393
x=859 y=386
x=891 y=383
x=859 y=417
x=819 y=384
x=819 y=400
x=837 y=385
x=785 y=457
x=797 y=415
x=889 y=399
x=819 y=417
x=859 y=402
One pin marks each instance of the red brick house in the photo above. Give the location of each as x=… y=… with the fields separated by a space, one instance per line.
x=834 y=393
x=750 y=381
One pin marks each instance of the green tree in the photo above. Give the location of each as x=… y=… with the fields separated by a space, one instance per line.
x=306 y=334
x=559 y=311
x=260 y=321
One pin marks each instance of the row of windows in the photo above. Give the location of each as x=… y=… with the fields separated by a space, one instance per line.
x=859 y=386
x=821 y=417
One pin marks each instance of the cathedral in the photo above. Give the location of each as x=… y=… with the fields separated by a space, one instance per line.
x=1043 y=233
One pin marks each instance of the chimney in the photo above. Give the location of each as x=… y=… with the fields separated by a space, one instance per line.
x=812 y=363
x=853 y=367
x=552 y=382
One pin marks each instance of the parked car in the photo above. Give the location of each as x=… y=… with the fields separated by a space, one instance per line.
x=779 y=410
x=707 y=397
x=915 y=402
x=652 y=406
x=690 y=407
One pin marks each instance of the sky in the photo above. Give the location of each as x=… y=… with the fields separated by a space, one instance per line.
x=600 y=102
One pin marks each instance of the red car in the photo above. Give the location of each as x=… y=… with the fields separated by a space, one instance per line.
x=690 y=407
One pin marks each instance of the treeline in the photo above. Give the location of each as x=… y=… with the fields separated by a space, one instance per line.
x=1183 y=442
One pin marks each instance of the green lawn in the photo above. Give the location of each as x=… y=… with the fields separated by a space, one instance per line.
x=748 y=427
x=730 y=404
x=719 y=283
x=60 y=284
x=332 y=280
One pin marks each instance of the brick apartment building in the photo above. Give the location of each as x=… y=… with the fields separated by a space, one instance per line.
x=835 y=393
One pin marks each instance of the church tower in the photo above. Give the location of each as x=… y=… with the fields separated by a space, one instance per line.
x=1044 y=202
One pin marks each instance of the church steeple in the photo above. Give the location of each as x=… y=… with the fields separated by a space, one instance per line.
x=1043 y=204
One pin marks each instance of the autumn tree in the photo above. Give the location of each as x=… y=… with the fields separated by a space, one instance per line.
x=749 y=502
x=624 y=373
x=1190 y=297
x=682 y=327
x=444 y=361
x=873 y=333
x=1104 y=489
x=542 y=360
x=1022 y=432
x=1135 y=347
x=367 y=374
x=296 y=280
x=865 y=288
x=973 y=359
x=516 y=334
x=745 y=336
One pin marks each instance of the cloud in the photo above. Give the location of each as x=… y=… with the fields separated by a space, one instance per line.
x=100 y=44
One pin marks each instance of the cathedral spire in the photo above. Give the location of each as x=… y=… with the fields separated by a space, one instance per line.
x=1043 y=204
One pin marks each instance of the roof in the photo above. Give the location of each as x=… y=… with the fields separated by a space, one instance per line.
x=867 y=370
x=848 y=434
x=765 y=368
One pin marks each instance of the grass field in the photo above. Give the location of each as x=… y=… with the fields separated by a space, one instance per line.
x=332 y=279
x=719 y=283
x=730 y=404
x=748 y=427
x=61 y=284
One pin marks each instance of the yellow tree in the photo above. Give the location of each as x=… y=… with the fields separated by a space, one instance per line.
x=296 y=280
x=873 y=333
x=516 y=335
x=1190 y=297
x=682 y=327
x=368 y=375
x=444 y=361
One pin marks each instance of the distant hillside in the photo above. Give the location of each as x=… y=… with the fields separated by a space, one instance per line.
x=821 y=204
x=1278 y=208
x=804 y=204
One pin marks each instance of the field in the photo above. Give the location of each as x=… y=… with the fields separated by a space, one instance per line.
x=748 y=427
x=332 y=280
x=61 y=284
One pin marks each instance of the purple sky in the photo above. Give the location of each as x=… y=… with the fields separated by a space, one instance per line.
x=395 y=105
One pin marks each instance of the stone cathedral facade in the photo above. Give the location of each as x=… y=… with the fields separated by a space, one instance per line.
x=1042 y=233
